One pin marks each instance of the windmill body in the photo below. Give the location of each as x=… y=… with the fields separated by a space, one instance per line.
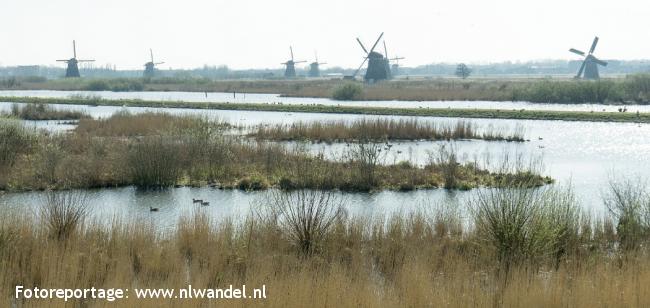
x=378 y=68
x=314 y=68
x=290 y=71
x=72 y=69
x=589 y=67
x=150 y=67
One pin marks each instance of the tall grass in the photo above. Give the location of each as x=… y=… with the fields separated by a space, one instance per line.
x=424 y=259
x=44 y=112
x=378 y=130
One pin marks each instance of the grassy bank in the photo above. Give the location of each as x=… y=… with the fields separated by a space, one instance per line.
x=155 y=150
x=342 y=109
x=521 y=248
x=631 y=89
x=379 y=130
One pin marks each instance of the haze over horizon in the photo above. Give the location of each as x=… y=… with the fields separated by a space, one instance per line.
x=257 y=34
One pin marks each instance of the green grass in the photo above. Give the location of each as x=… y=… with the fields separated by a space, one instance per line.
x=522 y=114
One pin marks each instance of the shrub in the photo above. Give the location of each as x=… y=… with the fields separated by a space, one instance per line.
x=348 y=92
x=253 y=183
x=629 y=203
x=524 y=224
x=154 y=162
x=63 y=213
x=15 y=140
x=304 y=217
x=97 y=85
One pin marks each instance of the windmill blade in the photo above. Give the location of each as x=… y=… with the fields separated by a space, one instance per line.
x=159 y=63
x=578 y=52
x=362 y=47
x=151 y=52
x=385 y=50
x=291 y=49
x=360 y=66
x=74 y=48
x=299 y=62
x=322 y=63
x=598 y=61
x=62 y=60
x=593 y=45
x=582 y=68
x=377 y=42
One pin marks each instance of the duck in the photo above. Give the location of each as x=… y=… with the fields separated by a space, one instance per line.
x=153 y=209
x=205 y=203
x=197 y=200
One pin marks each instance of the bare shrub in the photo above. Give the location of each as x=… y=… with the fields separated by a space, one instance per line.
x=522 y=225
x=629 y=202
x=63 y=213
x=366 y=156
x=446 y=160
x=304 y=217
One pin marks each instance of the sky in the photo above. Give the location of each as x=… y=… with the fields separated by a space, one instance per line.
x=257 y=33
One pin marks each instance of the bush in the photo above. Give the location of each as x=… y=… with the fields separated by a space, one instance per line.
x=524 y=224
x=253 y=183
x=97 y=85
x=348 y=92
x=629 y=203
x=15 y=140
x=63 y=213
x=154 y=162
x=304 y=217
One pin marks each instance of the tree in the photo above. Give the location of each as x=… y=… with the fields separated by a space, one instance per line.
x=463 y=71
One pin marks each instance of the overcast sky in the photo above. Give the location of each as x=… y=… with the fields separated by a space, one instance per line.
x=257 y=33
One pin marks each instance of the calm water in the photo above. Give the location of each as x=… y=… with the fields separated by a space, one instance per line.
x=275 y=98
x=584 y=154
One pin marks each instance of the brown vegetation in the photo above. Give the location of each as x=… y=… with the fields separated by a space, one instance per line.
x=159 y=150
x=378 y=130
x=521 y=248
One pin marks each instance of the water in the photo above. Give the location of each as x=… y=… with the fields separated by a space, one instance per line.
x=275 y=98
x=584 y=154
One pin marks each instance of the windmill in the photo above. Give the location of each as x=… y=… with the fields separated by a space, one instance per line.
x=73 y=69
x=290 y=72
x=314 y=67
x=150 y=67
x=590 y=64
x=377 y=64
x=394 y=69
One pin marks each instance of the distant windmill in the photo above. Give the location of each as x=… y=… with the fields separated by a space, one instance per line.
x=150 y=67
x=394 y=69
x=73 y=69
x=590 y=64
x=290 y=72
x=377 y=65
x=314 y=67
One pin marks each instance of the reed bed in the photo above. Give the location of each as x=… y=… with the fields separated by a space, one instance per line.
x=39 y=112
x=541 y=251
x=379 y=130
x=633 y=88
x=157 y=150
